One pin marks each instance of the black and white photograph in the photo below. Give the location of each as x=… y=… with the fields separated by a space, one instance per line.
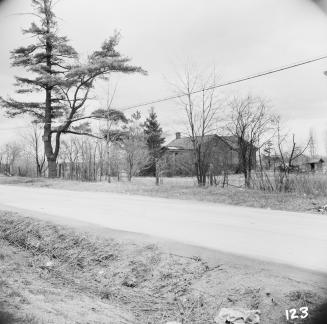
x=163 y=162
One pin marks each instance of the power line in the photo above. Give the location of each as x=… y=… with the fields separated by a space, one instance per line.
x=257 y=75
x=242 y=79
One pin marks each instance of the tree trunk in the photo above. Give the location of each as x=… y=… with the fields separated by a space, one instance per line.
x=108 y=161
x=52 y=168
x=200 y=167
x=50 y=154
x=157 y=178
x=156 y=170
x=38 y=169
x=247 y=177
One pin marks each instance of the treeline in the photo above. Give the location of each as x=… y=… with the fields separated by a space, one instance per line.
x=67 y=145
x=125 y=150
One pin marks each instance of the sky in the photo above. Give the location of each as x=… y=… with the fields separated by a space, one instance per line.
x=237 y=38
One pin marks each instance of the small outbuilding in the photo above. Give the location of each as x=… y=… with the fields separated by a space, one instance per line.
x=314 y=165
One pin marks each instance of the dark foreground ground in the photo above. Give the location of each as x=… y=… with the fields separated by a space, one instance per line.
x=57 y=274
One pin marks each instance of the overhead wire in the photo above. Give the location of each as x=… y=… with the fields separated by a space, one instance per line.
x=242 y=79
x=214 y=86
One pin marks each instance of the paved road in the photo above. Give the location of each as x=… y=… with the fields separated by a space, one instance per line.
x=292 y=238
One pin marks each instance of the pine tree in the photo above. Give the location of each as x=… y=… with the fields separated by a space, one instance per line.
x=153 y=133
x=56 y=73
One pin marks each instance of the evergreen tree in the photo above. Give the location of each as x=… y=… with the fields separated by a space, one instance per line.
x=54 y=69
x=154 y=141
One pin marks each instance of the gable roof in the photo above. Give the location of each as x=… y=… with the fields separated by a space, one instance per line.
x=185 y=143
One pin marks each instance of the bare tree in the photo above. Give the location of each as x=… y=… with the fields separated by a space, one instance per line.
x=35 y=144
x=290 y=155
x=118 y=160
x=69 y=154
x=114 y=120
x=10 y=154
x=101 y=158
x=83 y=158
x=202 y=109
x=250 y=122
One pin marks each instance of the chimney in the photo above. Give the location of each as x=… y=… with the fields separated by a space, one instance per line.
x=178 y=135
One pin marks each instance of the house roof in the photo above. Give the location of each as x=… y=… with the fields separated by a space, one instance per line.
x=315 y=161
x=185 y=143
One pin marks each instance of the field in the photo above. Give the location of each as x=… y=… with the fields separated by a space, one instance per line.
x=56 y=274
x=310 y=196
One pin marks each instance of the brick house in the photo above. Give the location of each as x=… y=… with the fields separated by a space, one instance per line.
x=222 y=154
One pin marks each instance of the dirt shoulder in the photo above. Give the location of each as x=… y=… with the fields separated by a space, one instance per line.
x=58 y=274
x=180 y=188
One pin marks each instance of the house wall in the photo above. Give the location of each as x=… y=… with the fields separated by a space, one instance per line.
x=218 y=154
x=223 y=158
x=180 y=163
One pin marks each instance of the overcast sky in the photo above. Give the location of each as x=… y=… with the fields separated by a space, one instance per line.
x=237 y=37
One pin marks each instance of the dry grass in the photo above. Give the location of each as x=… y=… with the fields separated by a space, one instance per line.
x=8 y=318
x=311 y=184
x=138 y=280
x=29 y=297
x=126 y=275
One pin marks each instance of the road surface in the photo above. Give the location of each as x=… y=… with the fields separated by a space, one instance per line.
x=296 y=239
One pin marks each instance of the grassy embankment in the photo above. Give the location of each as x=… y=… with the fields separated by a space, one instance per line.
x=54 y=274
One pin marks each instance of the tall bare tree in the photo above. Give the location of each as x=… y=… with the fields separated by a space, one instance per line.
x=34 y=142
x=114 y=120
x=250 y=122
x=202 y=108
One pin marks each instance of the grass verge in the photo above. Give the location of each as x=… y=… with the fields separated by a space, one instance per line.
x=185 y=188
